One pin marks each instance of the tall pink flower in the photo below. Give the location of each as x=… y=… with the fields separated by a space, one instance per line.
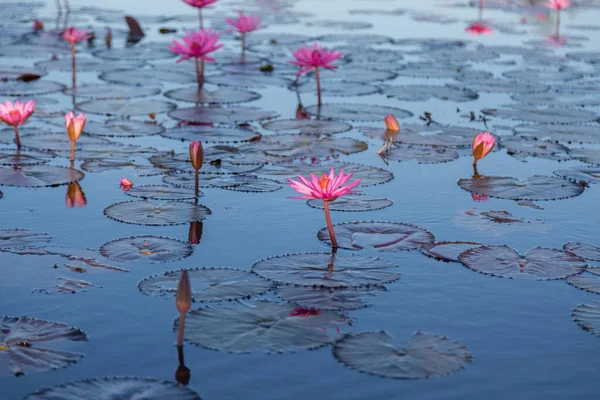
x=245 y=24
x=199 y=4
x=327 y=188
x=74 y=126
x=557 y=4
x=315 y=57
x=197 y=45
x=73 y=35
x=16 y=114
x=482 y=144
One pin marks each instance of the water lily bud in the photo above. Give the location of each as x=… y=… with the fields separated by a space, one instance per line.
x=483 y=143
x=391 y=123
x=125 y=184
x=196 y=154
x=74 y=125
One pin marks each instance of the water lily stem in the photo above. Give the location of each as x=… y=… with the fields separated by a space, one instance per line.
x=480 y=10
x=200 y=20
x=557 y=23
x=181 y=328
x=475 y=172
x=17 y=139
x=196 y=176
x=198 y=73
x=72 y=151
x=334 y=244
x=318 y=85
x=73 y=64
x=243 y=45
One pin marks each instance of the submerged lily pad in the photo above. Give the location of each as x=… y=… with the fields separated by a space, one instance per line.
x=422 y=356
x=543 y=115
x=447 y=251
x=154 y=249
x=117 y=387
x=144 y=212
x=20 y=88
x=588 y=317
x=588 y=175
x=537 y=187
x=308 y=126
x=319 y=298
x=537 y=264
x=162 y=192
x=326 y=270
x=377 y=235
x=208 y=284
x=125 y=108
x=122 y=128
x=583 y=250
x=20 y=238
x=266 y=327
x=356 y=112
x=104 y=91
x=425 y=92
x=209 y=133
x=588 y=281
x=216 y=115
x=353 y=203
x=220 y=96
x=39 y=176
x=22 y=345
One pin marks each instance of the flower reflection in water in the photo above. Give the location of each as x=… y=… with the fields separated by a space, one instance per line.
x=75 y=196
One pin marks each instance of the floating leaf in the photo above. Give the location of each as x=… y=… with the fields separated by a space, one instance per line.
x=162 y=192
x=583 y=250
x=248 y=80
x=319 y=298
x=558 y=98
x=326 y=270
x=59 y=141
x=144 y=212
x=11 y=157
x=141 y=76
x=425 y=92
x=86 y=64
x=357 y=39
x=181 y=162
x=422 y=356
x=447 y=251
x=20 y=238
x=20 y=338
x=247 y=183
x=377 y=235
x=499 y=85
x=122 y=128
x=220 y=96
x=567 y=134
x=427 y=135
x=422 y=154
x=308 y=126
x=147 y=52
x=39 y=176
x=342 y=25
x=125 y=108
x=520 y=149
x=68 y=285
x=154 y=249
x=353 y=203
x=20 y=88
x=103 y=91
x=432 y=70
x=207 y=133
x=588 y=317
x=311 y=146
x=589 y=175
x=543 y=115
x=537 y=264
x=544 y=76
x=588 y=281
x=342 y=88
x=266 y=327
x=117 y=387
x=208 y=284
x=537 y=187
x=216 y=115
x=356 y=112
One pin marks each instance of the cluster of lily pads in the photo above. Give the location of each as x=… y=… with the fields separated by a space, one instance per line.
x=304 y=299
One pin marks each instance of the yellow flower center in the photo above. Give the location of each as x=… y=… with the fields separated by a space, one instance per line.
x=323 y=182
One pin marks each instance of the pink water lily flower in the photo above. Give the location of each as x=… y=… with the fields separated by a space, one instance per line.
x=38 y=25
x=125 y=184
x=482 y=144
x=327 y=188
x=16 y=114
x=245 y=23
x=199 y=3
x=478 y=28
x=74 y=127
x=73 y=35
x=557 y=4
x=197 y=45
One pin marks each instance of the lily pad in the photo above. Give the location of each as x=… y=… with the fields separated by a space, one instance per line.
x=583 y=250
x=220 y=96
x=326 y=270
x=447 y=251
x=559 y=98
x=125 y=108
x=153 y=249
x=588 y=317
x=11 y=157
x=103 y=91
x=537 y=264
x=588 y=155
x=86 y=64
x=37 y=87
x=162 y=192
x=543 y=115
x=544 y=76
x=144 y=212
x=217 y=115
x=335 y=88
x=422 y=356
x=59 y=141
x=22 y=238
x=342 y=25
x=313 y=146
x=499 y=85
x=353 y=203
x=181 y=162
x=265 y=327
x=521 y=149
x=378 y=235
x=141 y=76
x=208 y=284
x=356 y=112
x=425 y=92
x=427 y=135
x=248 y=80
x=588 y=175
x=22 y=342
x=588 y=281
x=308 y=126
x=432 y=70
x=117 y=387
x=154 y=51
x=343 y=299
x=350 y=75
x=39 y=176
x=209 y=133
x=122 y=128
x=422 y=154
x=565 y=134
x=537 y=187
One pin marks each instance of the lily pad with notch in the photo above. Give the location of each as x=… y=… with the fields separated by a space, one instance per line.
x=337 y=299
x=39 y=176
x=356 y=112
x=311 y=146
x=37 y=87
x=353 y=203
x=422 y=154
x=537 y=264
x=589 y=280
x=586 y=174
x=216 y=115
x=521 y=149
x=220 y=96
x=308 y=126
x=425 y=92
x=112 y=107
x=22 y=238
x=543 y=114
x=587 y=316
x=447 y=251
x=153 y=249
x=583 y=250
x=168 y=213
x=104 y=91
x=214 y=134
x=537 y=187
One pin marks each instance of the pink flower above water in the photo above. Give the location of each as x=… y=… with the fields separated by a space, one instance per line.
x=196 y=154
x=557 y=4
x=391 y=123
x=199 y=3
x=478 y=28
x=197 y=45
x=245 y=23
x=17 y=114
x=125 y=184
x=315 y=57
x=482 y=144
x=74 y=125
x=327 y=188
x=72 y=35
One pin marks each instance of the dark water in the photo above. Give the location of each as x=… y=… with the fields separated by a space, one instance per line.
x=521 y=334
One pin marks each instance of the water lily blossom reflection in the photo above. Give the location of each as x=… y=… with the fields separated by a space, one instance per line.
x=183 y=301
x=482 y=144
x=125 y=184
x=74 y=127
x=480 y=198
x=75 y=196
x=478 y=28
x=327 y=188
x=16 y=114
x=245 y=24
x=392 y=129
x=315 y=57
x=197 y=45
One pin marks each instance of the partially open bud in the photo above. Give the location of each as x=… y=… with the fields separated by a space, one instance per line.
x=75 y=196
x=483 y=143
x=74 y=125
x=196 y=154
x=125 y=184
x=391 y=123
x=184 y=293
